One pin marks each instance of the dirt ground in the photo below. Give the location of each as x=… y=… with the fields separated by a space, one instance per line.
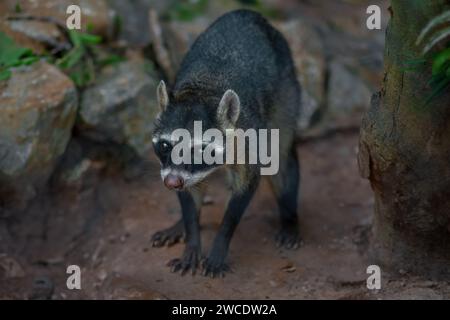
x=118 y=262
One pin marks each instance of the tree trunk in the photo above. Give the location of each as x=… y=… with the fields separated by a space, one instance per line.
x=405 y=153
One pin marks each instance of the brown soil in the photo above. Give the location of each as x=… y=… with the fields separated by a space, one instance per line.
x=117 y=260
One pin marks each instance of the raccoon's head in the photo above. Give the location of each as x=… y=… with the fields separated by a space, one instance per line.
x=185 y=115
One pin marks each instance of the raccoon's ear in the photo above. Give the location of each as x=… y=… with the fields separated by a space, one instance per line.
x=229 y=109
x=161 y=94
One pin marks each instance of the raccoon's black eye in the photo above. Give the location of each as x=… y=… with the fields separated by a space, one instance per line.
x=165 y=147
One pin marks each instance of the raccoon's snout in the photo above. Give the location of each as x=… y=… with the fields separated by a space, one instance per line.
x=172 y=181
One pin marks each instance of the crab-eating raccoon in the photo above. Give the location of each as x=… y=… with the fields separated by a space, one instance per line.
x=239 y=73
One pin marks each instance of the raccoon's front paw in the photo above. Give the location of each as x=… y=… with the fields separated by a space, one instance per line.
x=214 y=267
x=288 y=238
x=189 y=261
x=169 y=236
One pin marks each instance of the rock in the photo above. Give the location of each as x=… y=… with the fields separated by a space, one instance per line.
x=133 y=26
x=10 y=267
x=95 y=15
x=179 y=36
x=309 y=58
x=348 y=97
x=366 y=58
x=21 y=39
x=78 y=169
x=45 y=33
x=120 y=107
x=37 y=111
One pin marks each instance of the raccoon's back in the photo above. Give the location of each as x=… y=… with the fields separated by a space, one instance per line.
x=240 y=51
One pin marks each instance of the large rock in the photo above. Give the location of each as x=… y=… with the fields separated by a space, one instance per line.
x=308 y=53
x=37 y=111
x=40 y=34
x=120 y=107
x=21 y=39
x=179 y=36
x=348 y=97
x=132 y=24
x=95 y=14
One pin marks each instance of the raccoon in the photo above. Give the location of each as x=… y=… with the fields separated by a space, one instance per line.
x=239 y=73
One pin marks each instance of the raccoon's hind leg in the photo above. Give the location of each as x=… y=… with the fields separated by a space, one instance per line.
x=285 y=185
x=169 y=236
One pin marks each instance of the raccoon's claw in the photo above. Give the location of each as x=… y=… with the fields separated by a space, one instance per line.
x=168 y=236
x=214 y=269
x=289 y=239
x=189 y=261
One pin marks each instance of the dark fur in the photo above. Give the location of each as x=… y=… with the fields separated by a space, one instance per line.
x=242 y=52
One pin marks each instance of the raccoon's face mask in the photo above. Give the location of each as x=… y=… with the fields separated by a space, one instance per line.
x=186 y=138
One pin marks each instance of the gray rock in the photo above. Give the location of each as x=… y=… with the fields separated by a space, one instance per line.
x=95 y=14
x=76 y=170
x=47 y=33
x=348 y=96
x=179 y=36
x=309 y=58
x=10 y=267
x=120 y=107
x=21 y=39
x=133 y=27
x=37 y=111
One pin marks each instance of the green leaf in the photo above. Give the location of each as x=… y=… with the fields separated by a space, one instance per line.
x=117 y=24
x=440 y=60
x=75 y=38
x=111 y=60
x=77 y=77
x=81 y=77
x=415 y=61
x=5 y=74
x=79 y=38
x=29 y=60
x=436 y=38
x=10 y=53
x=413 y=64
x=89 y=27
x=18 y=8
x=188 y=10
x=89 y=39
x=72 y=58
x=438 y=89
x=440 y=19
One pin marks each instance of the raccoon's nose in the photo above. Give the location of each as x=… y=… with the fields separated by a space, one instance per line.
x=173 y=182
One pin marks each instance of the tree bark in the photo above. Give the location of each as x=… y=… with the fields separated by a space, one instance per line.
x=405 y=153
